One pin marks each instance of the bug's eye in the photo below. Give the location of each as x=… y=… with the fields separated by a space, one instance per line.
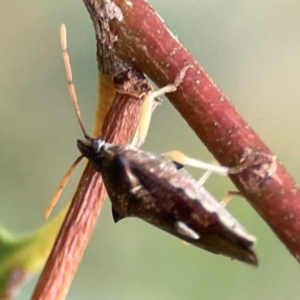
x=97 y=145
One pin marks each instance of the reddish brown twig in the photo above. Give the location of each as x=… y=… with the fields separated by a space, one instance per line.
x=144 y=40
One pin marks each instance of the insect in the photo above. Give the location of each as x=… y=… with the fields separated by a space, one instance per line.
x=159 y=191
x=153 y=188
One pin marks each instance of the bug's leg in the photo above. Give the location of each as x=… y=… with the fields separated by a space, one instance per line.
x=144 y=121
x=204 y=177
x=229 y=196
x=186 y=231
x=182 y=159
x=150 y=102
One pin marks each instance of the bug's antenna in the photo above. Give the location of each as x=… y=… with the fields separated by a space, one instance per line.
x=66 y=58
x=63 y=40
x=62 y=184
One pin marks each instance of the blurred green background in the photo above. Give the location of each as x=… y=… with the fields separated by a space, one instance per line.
x=252 y=51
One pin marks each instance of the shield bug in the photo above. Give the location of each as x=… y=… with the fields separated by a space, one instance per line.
x=156 y=190
x=159 y=191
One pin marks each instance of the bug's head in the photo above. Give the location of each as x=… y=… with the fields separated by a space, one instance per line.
x=92 y=149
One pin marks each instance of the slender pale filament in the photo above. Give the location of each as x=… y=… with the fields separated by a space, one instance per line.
x=62 y=184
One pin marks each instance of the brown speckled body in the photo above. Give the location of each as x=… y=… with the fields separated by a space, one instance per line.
x=152 y=188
